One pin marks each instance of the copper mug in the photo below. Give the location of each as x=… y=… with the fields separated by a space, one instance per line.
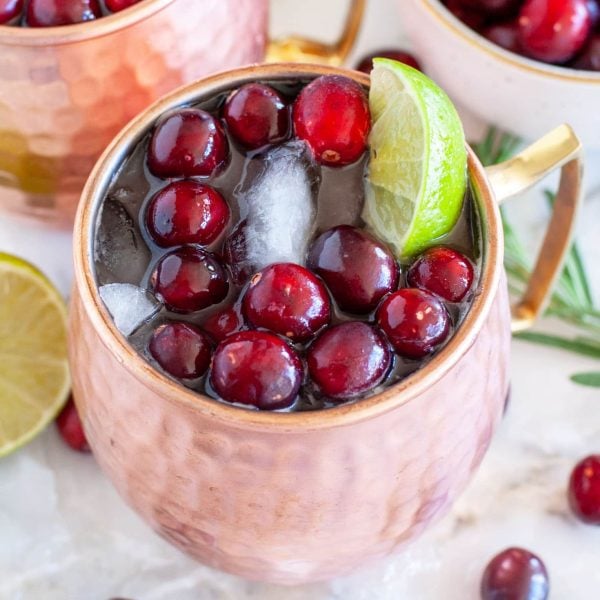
x=65 y=92
x=297 y=497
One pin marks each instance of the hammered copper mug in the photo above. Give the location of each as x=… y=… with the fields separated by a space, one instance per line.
x=296 y=497
x=66 y=91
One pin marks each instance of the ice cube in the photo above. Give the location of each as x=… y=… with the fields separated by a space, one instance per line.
x=279 y=208
x=130 y=306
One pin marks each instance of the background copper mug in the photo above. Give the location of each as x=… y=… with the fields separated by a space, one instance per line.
x=66 y=91
x=309 y=495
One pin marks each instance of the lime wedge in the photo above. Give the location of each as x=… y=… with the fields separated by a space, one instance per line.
x=418 y=165
x=34 y=374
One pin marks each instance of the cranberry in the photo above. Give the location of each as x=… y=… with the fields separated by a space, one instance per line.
x=186 y=212
x=287 y=299
x=415 y=322
x=554 y=30
x=70 y=428
x=9 y=9
x=505 y=35
x=366 y=63
x=50 y=13
x=471 y=18
x=189 y=142
x=493 y=8
x=444 y=272
x=332 y=115
x=181 y=349
x=349 y=359
x=257 y=115
x=118 y=5
x=515 y=574
x=358 y=270
x=189 y=279
x=589 y=60
x=223 y=323
x=256 y=368
x=584 y=490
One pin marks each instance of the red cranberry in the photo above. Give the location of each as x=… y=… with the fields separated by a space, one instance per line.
x=118 y=5
x=589 y=60
x=186 y=212
x=415 y=322
x=223 y=323
x=287 y=299
x=349 y=359
x=257 y=115
x=584 y=490
x=515 y=574
x=9 y=9
x=358 y=270
x=189 y=279
x=332 y=115
x=50 y=13
x=554 y=30
x=444 y=272
x=505 y=35
x=493 y=8
x=181 y=349
x=471 y=18
x=70 y=428
x=187 y=143
x=256 y=368
x=366 y=63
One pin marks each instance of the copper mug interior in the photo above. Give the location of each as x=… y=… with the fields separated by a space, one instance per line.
x=287 y=497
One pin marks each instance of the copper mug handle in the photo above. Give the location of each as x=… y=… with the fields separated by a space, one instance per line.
x=299 y=49
x=559 y=149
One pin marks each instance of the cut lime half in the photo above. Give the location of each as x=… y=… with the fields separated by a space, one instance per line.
x=417 y=174
x=34 y=374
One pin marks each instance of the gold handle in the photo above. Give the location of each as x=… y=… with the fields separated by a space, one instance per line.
x=298 y=49
x=559 y=149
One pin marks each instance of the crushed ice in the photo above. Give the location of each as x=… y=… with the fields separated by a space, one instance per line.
x=129 y=305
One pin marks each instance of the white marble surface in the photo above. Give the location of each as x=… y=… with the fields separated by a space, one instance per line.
x=66 y=535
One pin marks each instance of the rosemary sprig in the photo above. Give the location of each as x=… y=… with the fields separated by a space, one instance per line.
x=572 y=300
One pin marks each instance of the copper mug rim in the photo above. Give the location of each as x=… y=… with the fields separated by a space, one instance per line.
x=67 y=34
x=344 y=414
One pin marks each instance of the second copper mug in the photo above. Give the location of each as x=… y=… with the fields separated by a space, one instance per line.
x=66 y=91
x=296 y=497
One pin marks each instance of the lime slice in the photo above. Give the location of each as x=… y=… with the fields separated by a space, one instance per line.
x=418 y=166
x=34 y=374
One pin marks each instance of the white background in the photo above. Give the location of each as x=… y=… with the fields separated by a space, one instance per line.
x=65 y=534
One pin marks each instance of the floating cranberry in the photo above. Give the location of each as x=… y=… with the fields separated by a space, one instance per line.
x=505 y=35
x=189 y=142
x=366 y=63
x=51 y=13
x=256 y=368
x=287 y=299
x=223 y=323
x=332 y=115
x=189 y=279
x=554 y=30
x=118 y=5
x=70 y=428
x=589 y=59
x=186 y=212
x=358 y=269
x=444 y=272
x=349 y=359
x=257 y=115
x=515 y=574
x=584 y=490
x=181 y=349
x=414 y=321
x=9 y=9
